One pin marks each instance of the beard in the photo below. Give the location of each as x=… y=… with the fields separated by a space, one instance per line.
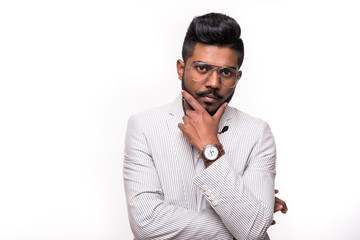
x=200 y=94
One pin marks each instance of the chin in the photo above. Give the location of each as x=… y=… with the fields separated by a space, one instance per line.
x=211 y=110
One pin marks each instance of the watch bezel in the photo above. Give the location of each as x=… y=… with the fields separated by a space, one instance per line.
x=207 y=148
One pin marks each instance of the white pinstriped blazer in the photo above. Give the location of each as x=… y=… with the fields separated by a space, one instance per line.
x=160 y=179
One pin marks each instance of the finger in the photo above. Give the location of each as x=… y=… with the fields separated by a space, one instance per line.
x=185 y=129
x=285 y=208
x=192 y=101
x=278 y=208
x=273 y=222
x=220 y=111
x=189 y=112
x=281 y=207
x=276 y=191
x=278 y=201
x=181 y=126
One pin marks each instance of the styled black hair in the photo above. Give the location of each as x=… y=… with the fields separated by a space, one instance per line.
x=213 y=29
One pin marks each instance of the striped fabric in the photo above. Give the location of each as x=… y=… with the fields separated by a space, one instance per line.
x=161 y=183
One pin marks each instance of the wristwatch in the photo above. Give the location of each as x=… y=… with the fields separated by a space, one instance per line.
x=212 y=152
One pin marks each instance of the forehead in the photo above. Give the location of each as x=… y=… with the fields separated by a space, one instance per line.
x=215 y=55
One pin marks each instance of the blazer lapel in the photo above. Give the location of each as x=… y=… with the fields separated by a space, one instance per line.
x=183 y=152
x=226 y=120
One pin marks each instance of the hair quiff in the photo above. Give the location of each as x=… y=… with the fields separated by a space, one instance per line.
x=213 y=29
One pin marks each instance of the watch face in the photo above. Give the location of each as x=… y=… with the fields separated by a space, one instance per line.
x=211 y=152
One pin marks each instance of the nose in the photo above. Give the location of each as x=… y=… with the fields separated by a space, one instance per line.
x=213 y=80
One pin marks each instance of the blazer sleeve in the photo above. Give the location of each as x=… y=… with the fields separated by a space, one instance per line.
x=244 y=202
x=149 y=215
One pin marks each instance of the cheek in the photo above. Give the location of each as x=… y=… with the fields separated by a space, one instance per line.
x=189 y=85
x=229 y=95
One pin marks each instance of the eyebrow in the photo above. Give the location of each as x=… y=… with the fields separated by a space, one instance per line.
x=232 y=67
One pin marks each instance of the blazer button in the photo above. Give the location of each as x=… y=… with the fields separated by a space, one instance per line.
x=204 y=187
x=214 y=202
x=211 y=197
x=208 y=192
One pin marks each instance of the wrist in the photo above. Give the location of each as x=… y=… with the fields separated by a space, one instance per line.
x=210 y=141
x=211 y=152
x=208 y=163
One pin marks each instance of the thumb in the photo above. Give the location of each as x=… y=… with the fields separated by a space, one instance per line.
x=220 y=111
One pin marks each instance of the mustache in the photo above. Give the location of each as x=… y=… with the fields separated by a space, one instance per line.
x=208 y=92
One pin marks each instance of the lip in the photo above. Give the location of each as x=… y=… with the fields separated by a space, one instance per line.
x=209 y=98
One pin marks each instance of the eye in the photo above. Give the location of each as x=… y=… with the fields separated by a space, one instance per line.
x=227 y=72
x=201 y=68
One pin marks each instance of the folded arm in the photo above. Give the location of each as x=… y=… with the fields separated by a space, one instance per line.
x=150 y=216
x=245 y=203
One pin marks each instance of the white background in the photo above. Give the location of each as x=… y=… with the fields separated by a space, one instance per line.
x=72 y=72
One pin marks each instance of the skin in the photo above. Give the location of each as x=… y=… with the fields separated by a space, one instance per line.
x=215 y=55
x=203 y=113
x=280 y=205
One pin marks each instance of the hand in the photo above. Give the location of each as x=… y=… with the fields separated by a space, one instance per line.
x=279 y=205
x=199 y=127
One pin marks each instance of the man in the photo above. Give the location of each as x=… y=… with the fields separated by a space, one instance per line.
x=196 y=168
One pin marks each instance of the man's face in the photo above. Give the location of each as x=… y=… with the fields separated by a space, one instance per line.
x=210 y=93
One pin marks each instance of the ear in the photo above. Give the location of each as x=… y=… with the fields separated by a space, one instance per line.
x=180 y=66
x=239 y=75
